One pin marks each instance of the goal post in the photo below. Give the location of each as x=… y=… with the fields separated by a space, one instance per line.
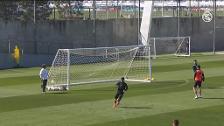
x=178 y=46
x=102 y=64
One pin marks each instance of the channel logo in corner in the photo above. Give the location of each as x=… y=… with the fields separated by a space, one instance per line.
x=207 y=16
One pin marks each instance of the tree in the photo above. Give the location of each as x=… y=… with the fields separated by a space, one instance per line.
x=23 y=10
x=7 y=9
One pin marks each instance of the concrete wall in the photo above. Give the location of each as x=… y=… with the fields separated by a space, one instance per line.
x=47 y=37
x=40 y=41
x=201 y=33
x=27 y=60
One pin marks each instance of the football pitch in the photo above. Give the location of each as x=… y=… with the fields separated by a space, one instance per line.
x=168 y=97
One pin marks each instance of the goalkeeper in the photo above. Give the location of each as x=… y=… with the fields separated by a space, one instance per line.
x=121 y=88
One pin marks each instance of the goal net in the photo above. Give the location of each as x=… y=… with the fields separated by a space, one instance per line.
x=93 y=65
x=178 y=46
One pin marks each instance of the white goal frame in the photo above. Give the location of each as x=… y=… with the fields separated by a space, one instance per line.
x=180 y=40
x=67 y=70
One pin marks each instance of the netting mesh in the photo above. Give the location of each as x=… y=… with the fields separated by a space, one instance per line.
x=88 y=65
x=140 y=67
x=58 y=72
x=179 y=46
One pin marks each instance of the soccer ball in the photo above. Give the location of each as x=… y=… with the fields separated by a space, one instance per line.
x=48 y=88
x=52 y=81
x=56 y=88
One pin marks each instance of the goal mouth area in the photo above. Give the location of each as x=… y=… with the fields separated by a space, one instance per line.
x=94 y=82
x=182 y=55
x=60 y=87
x=81 y=66
x=145 y=81
x=80 y=83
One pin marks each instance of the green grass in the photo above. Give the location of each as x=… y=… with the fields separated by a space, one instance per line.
x=155 y=104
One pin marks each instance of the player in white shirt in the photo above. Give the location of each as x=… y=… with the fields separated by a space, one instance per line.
x=44 y=77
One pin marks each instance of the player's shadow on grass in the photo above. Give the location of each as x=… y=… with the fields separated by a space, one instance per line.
x=136 y=107
x=212 y=87
x=95 y=90
x=213 y=98
x=59 y=92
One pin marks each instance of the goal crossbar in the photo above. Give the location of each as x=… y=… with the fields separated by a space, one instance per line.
x=97 y=65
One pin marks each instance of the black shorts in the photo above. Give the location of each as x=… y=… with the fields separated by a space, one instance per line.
x=44 y=83
x=119 y=96
x=197 y=84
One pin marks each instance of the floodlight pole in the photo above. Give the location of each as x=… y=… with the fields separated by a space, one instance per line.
x=94 y=10
x=178 y=18
x=117 y=10
x=214 y=26
x=121 y=10
x=139 y=15
x=94 y=21
x=198 y=8
x=162 y=8
x=134 y=4
x=107 y=9
x=34 y=11
x=189 y=9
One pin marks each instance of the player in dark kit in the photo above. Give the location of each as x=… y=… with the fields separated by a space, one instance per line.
x=195 y=66
x=121 y=88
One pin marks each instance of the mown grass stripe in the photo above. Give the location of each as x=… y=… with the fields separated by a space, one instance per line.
x=97 y=112
x=169 y=96
x=187 y=66
x=11 y=81
x=80 y=95
x=192 y=117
